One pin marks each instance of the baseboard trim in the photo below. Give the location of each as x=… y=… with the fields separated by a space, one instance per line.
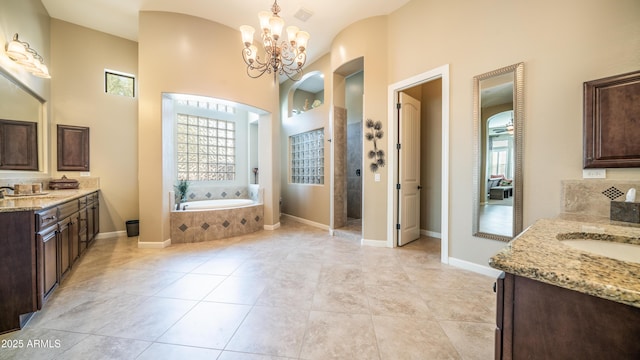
x=308 y=222
x=154 y=245
x=430 y=233
x=480 y=269
x=272 y=227
x=111 y=235
x=374 y=243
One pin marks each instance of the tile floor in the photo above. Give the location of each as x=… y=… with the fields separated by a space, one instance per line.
x=293 y=293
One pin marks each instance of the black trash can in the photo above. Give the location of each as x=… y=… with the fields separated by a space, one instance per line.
x=132 y=228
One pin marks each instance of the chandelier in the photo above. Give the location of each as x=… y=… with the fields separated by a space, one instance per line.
x=23 y=54
x=280 y=57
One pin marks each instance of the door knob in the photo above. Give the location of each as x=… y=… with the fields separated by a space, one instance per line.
x=419 y=187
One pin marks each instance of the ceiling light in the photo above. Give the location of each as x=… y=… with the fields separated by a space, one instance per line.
x=23 y=54
x=280 y=57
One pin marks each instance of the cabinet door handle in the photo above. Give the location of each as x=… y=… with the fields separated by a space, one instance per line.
x=49 y=218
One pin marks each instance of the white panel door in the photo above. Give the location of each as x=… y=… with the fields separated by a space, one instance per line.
x=409 y=170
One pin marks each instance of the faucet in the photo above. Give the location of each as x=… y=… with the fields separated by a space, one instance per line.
x=2 y=190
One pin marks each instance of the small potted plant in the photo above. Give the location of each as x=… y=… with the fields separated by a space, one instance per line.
x=181 y=192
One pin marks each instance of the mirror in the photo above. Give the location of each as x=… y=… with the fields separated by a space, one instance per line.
x=498 y=117
x=18 y=105
x=308 y=94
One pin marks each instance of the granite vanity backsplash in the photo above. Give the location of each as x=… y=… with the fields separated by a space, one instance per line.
x=86 y=182
x=592 y=197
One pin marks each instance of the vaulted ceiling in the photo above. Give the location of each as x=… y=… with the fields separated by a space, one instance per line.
x=120 y=17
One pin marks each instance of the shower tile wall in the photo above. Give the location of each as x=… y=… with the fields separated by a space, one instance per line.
x=354 y=170
x=340 y=167
x=208 y=192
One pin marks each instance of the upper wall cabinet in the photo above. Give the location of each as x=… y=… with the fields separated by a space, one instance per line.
x=18 y=145
x=612 y=122
x=309 y=94
x=73 y=148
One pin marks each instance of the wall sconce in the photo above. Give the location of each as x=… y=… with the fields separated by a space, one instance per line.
x=23 y=54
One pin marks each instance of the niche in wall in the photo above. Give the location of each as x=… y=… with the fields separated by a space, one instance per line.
x=308 y=95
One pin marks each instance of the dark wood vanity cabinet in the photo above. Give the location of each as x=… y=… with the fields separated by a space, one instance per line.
x=17 y=278
x=18 y=145
x=93 y=218
x=38 y=263
x=541 y=321
x=47 y=268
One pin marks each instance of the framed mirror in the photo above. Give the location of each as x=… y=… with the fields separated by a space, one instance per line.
x=22 y=127
x=498 y=118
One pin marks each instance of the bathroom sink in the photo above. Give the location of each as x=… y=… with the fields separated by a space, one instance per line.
x=42 y=195
x=624 y=250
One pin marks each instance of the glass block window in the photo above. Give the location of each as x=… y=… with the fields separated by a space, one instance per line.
x=119 y=83
x=206 y=148
x=306 y=154
x=202 y=104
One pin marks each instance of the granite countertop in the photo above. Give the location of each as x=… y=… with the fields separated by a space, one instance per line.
x=46 y=199
x=538 y=254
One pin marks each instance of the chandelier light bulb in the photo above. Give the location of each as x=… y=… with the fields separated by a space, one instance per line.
x=276 y=24
x=264 y=17
x=301 y=39
x=292 y=33
x=253 y=51
x=247 y=34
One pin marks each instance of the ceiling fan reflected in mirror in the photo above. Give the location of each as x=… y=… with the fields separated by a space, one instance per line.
x=501 y=123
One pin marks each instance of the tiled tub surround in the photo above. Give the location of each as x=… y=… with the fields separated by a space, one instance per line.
x=593 y=197
x=202 y=192
x=215 y=224
x=539 y=254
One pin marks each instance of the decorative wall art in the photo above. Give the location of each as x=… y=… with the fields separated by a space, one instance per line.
x=374 y=132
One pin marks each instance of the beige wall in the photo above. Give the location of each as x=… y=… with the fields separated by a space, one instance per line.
x=79 y=58
x=363 y=39
x=562 y=45
x=181 y=54
x=310 y=202
x=431 y=156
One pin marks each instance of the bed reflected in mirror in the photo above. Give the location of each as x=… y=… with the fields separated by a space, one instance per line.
x=498 y=124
